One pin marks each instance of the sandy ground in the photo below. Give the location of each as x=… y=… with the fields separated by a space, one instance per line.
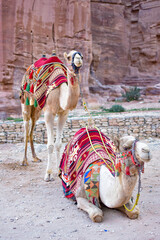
x=34 y=209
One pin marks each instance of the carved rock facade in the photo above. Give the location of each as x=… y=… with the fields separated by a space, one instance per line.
x=120 y=41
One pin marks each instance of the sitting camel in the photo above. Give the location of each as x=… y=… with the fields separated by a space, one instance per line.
x=55 y=90
x=92 y=172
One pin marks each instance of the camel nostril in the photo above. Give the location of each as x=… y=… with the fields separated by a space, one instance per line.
x=145 y=150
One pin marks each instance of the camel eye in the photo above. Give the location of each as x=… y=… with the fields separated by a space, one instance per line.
x=126 y=148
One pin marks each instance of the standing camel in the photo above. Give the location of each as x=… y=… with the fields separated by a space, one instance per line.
x=59 y=101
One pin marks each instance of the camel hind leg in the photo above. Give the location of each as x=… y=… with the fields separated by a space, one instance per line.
x=35 y=114
x=26 y=112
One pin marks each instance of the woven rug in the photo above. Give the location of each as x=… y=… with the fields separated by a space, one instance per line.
x=44 y=75
x=79 y=154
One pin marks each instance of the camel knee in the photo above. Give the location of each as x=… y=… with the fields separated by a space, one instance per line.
x=50 y=149
x=95 y=213
x=58 y=146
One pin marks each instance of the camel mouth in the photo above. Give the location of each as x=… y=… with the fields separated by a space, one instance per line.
x=78 y=64
x=146 y=157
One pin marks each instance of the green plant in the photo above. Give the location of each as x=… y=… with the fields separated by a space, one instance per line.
x=14 y=119
x=132 y=94
x=117 y=108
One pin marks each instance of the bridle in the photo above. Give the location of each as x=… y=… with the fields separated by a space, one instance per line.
x=140 y=168
x=75 y=68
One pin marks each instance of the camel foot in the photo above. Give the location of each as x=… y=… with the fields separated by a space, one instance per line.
x=97 y=217
x=48 y=177
x=24 y=163
x=36 y=159
x=133 y=214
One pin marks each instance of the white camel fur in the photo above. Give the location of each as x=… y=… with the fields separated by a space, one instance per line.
x=59 y=102
x=114 y=192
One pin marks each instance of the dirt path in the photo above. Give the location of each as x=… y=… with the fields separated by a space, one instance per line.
x=33 y=209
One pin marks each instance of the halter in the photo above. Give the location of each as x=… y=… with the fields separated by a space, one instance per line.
x=140 y=168
x=131 y=154
x=75 y=68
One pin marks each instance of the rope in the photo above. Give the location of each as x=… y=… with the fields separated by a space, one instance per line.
x=96 y=151
x=138 y=194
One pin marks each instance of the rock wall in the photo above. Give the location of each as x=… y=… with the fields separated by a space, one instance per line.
x=120 y=41
x=143 y=126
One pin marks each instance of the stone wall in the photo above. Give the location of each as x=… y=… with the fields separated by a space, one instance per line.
x=120 y=41
x=140 y=125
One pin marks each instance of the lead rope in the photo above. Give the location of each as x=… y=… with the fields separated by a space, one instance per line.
x=138 y=194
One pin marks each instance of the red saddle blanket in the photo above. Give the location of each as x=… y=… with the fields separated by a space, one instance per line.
x=79 y=154
x=44 y=61
x=42 y=77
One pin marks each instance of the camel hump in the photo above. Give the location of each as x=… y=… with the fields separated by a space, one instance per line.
x=43 y=61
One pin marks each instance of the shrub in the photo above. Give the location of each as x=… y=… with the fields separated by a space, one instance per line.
x=117 y=108
x=132 y=94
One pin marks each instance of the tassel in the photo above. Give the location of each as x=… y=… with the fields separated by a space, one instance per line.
x=25 y=85
x=35 y=103
x=27 y=101
x=127 y=171
x=117 y=173
x=31 y=75
x=32 y=89
x=118 y=167
x=28 y=87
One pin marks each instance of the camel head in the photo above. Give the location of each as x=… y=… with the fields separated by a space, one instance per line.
x=140 y=150
x=74 y=59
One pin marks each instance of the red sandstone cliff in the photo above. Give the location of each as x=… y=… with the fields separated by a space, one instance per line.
x=120 y=41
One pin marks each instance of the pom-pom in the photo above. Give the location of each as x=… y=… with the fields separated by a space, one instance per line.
x=31 y=75
x=28 y=87
x=25 y=85
x=118 y=167
x=127 y=171
x=32 y=89
x=27 y=101
x=35 y=103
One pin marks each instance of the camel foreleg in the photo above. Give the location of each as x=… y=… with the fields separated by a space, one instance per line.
x=49 y=120
x=95 y=213
x=131 y=214
x=62 y=117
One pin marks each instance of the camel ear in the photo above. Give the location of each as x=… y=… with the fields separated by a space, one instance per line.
x=65 y=55
x=116 y=141
x=128 y=144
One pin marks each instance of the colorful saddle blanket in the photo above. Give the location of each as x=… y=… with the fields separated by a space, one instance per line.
x=42 y=77
x=91 y=182
x=77 y=157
